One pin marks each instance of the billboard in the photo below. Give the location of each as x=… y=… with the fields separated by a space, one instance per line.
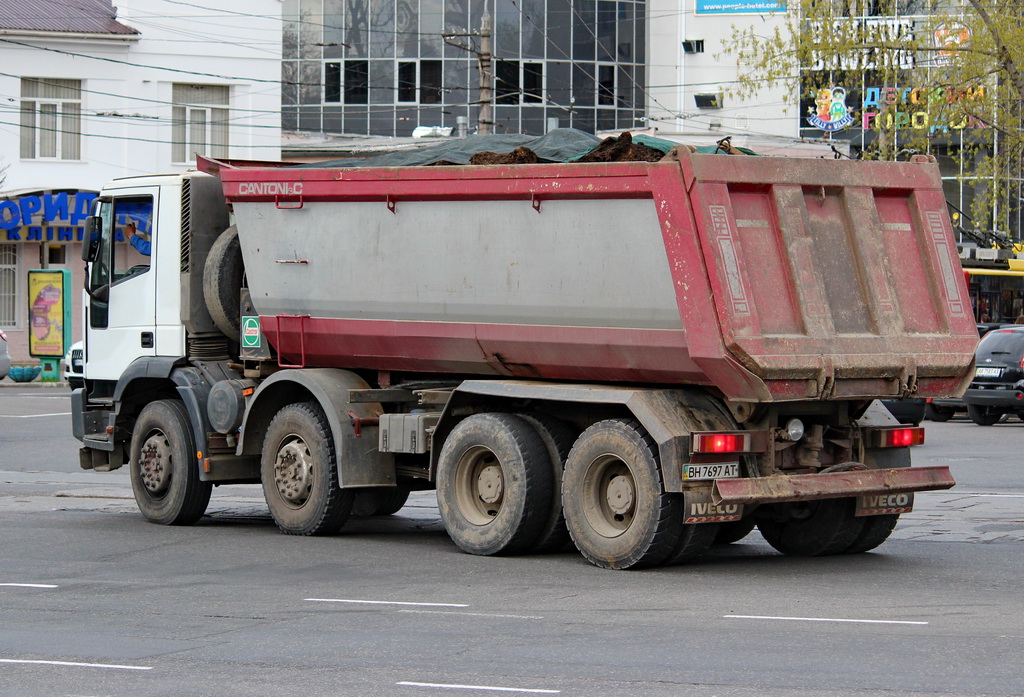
x=735 y=7
x=49 y=313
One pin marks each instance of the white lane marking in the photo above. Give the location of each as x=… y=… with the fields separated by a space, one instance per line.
x=28 y=585
x=999 y=496
x=382 y=602
x=471 y=614
x=75 y=665
x=33 y=416
x=478 y=687
x=818 y=619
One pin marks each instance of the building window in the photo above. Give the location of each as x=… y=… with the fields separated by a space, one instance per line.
x=51 y=118
x=533 y=83
x=430 y=82
x=606 y=85
x=199 y=121
x=516 y=82
x=357 y=82
x=8 y=284
x=407 y=81
x=506 y=82
x=332 y=82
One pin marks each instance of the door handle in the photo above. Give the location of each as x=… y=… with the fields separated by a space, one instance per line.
x=147 y=339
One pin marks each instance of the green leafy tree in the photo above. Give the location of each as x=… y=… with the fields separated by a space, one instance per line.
x=924 y=76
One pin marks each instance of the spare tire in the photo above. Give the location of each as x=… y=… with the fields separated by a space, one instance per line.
x=222 y=282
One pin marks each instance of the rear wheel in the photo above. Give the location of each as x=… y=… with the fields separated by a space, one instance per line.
x=984 y=416
x=163 y=467
x=558 y=438
x=370 y=502
x=494 y=485
x=299 y=470
x=615 y=509
x=877 y=529
x=813 y=528
x=934 y=413
x=734 y=531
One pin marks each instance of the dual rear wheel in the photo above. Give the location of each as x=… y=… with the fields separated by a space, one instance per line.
x=498 y=492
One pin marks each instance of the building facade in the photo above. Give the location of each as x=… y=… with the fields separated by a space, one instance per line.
x=386 y=67
x=97 y=92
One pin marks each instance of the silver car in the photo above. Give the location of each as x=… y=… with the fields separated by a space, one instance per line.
x=5 y=356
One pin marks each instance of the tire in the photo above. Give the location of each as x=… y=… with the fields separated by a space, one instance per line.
x=558 y=438
x=940 y=414
x=299 y=469
x=494 y=485
x=163 y=469
x=734 y=531
x=76 y=383
x=877 y=529
x=615 y=509
x=384 y=501
x=222 y=282
x=814 y=528
x=694 y=540
x=983 y=416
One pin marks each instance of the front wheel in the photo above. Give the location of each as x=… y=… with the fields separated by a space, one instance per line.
x=299 y=470
x=983 y=416
x=163 y=469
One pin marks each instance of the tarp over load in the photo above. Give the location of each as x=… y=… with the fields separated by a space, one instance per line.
x=559 y=145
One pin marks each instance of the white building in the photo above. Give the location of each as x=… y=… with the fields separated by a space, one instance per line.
x=94 y=92
x=689 y=78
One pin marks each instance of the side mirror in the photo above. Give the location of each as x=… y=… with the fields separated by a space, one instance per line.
x=93 y=231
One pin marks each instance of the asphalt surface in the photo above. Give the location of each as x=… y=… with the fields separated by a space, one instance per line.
x=100 y=602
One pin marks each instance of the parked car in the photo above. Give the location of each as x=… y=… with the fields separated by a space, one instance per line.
x=5 y=357
x=998 y=385
x=944 y=409
x=74 y=366
x=907 y=411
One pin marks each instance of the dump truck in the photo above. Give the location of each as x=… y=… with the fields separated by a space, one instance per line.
x=638 y=359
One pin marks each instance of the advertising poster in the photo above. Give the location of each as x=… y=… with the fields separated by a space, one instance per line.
x=735 y=7
x=49 y=315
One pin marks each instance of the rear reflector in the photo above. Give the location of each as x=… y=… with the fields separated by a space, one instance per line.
x=713 y=443
x=900 y=437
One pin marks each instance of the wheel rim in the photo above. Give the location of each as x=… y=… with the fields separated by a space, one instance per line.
x=479 y=485
x=609 y=496
x=155 y=464
x=293 y=471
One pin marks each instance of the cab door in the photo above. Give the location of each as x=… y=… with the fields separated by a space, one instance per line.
x=121 y=317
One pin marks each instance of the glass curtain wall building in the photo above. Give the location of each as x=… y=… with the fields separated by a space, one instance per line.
x=385 y=67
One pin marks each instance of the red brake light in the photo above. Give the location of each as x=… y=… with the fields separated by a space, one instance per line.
x=902 y=437
x=721 y=443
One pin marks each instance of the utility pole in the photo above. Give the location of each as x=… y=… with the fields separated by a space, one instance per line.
x=486 y=119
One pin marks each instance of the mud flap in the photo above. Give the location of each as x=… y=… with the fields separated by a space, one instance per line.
x=884 y=504
x=699 y=508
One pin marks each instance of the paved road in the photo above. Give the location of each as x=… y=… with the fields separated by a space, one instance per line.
x=111 y=605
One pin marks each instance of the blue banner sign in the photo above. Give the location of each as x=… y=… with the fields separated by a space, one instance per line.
x=51 y=216
x=727 y=7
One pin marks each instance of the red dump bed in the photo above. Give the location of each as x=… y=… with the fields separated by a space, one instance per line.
x=784 y=279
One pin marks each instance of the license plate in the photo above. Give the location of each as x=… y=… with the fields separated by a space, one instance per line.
x=989 y=372
x=717 y=471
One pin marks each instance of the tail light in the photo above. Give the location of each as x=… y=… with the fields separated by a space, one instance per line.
x=720 y=443
x=896 y=437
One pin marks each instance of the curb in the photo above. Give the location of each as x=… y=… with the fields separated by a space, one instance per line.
x=35 y=384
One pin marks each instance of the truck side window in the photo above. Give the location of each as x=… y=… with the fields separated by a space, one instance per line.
x=133 y=224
